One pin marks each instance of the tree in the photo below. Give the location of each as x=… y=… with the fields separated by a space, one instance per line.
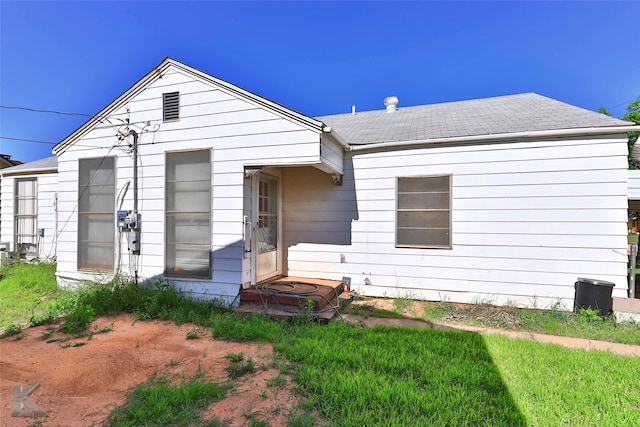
x=632 y=115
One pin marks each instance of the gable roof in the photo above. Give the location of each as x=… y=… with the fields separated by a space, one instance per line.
x=527 y=112
x=48 y=164
x=157 y=72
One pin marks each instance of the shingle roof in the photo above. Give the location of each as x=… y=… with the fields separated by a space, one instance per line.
x=42 y=165
x=499 y=115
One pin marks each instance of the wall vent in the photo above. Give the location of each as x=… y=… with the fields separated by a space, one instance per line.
x=170 y=106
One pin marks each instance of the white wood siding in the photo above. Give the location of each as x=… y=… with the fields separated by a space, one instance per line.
x=528 y=219
x=47 y=189
x=238 y=132
x=634 y=185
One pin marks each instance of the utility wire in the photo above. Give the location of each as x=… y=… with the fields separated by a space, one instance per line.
x=36 y=110
x=28 y=140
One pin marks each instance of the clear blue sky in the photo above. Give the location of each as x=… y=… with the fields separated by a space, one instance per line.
x=317 y=58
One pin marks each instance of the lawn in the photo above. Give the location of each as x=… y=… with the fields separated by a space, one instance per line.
x=389 y=376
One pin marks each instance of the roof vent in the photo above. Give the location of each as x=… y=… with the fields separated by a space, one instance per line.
x=391 y=102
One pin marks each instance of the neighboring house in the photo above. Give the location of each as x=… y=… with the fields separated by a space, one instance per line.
x=6 y=162
x=28 y=196
x=506 y=200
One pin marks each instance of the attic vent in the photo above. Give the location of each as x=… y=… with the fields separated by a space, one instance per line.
x=170 y=106
x=391 y=102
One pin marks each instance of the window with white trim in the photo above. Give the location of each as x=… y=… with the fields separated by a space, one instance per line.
x=25 y=211
x=188 y=214
x=96 y=207
x=423 y=211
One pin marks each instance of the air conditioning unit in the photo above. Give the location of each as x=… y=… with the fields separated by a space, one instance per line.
x=6 y=258
x=5 y=246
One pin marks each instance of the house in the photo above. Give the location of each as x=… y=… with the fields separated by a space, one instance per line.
x=189 y=178
x=6 y=162
x=28 y=219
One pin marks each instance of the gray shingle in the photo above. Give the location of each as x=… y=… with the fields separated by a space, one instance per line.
x=46 y=164
x=504 y=114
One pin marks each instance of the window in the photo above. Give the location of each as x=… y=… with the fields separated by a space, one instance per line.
x=25 y=212
x=96 y=206
x=170 y=106
x=188 y=214
x=423 y=212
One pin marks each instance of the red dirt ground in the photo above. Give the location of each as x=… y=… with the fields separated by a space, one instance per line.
x=80 y=385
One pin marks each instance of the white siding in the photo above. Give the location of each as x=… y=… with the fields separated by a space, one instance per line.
x=47 y=189
x=634 y=185
x=528 y=219
x=238 y=132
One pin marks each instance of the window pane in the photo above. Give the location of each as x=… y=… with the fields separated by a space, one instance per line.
x=188 y=260
x=25 y=210
x=423 y=211
x=188 y=214
x=423 y=219
x=418 y=237
x=96 y=207
x=188 y=228
x=423 y=200
x=188 y=196
x=423 y=183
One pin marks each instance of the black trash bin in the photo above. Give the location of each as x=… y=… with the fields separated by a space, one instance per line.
x=594 y=295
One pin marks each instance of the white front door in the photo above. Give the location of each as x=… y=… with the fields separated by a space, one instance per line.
x=267 y=229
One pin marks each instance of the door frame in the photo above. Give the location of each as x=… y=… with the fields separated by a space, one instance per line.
x=255 y=190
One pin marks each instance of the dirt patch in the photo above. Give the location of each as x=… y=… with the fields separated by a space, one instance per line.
x=82 y=380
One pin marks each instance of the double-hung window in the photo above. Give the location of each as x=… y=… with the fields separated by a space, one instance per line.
x=423 y=211
x=25 y=211
x=188 y=214
x=96 y=205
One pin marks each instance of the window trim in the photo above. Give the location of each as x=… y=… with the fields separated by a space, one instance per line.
x=17 y=215
x=166 y=271
x=170 y=107
x=449 y=209
x=93 y=268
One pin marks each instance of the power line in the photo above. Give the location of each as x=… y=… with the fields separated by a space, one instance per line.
x=36 y=110
x=28 y=140
x=622 y=103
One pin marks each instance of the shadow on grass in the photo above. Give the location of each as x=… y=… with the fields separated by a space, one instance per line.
x=388 y=376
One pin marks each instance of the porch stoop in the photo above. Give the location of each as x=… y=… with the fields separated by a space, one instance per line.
x=626 y=309
x=290 y=296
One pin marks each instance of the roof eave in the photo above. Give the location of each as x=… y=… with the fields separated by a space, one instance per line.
x=554 y=133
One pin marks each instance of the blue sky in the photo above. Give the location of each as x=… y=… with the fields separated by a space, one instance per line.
x=315 y=57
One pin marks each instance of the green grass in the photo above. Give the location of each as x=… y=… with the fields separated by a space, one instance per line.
x=583 y=324
x=388 y=376
x=29 y=296
x=159 y=403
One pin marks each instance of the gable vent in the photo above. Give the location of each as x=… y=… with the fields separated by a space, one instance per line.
x=170 y=106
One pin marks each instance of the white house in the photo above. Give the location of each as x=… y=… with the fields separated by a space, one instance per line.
x=28 y=219
x=190 y=178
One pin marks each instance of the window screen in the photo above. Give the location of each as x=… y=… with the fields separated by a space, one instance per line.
x=26 y=202
x=96 y=205
x=188 y=214
x=170 y=106
x=423 y=216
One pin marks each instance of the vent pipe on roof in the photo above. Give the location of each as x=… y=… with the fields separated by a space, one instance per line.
x=353 y=109
x=391 y=102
